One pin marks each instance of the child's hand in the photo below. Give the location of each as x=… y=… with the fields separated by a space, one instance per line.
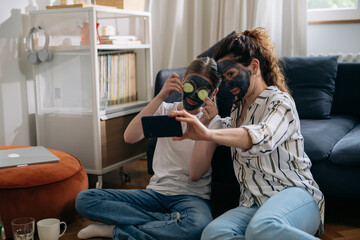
x=172 y=84
x=209 y=111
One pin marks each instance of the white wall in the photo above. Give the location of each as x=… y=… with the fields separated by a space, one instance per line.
x=16 y=124
x=17 y=120
x=333 y=38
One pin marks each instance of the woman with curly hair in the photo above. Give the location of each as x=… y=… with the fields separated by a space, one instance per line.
x=279 y=198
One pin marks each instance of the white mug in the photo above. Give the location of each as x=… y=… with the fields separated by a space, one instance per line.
x=49 y=229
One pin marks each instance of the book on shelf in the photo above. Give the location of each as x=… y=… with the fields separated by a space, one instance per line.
x=118 y=37
x=121 y=42
x=117 y=78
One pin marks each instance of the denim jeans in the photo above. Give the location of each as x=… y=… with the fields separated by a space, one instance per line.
x=145 y=214
x=290 y=214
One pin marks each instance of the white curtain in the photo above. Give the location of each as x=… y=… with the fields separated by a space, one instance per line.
x=182 y=29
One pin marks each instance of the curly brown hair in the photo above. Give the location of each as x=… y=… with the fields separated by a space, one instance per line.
x=254 y=44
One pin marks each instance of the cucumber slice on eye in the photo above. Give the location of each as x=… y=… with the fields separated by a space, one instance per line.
x=188 y=87
x=202 y=94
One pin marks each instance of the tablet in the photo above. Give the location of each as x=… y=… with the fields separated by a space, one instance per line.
x=161 y=126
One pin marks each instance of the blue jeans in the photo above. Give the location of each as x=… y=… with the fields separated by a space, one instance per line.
x=145 y=214
x=290 y=214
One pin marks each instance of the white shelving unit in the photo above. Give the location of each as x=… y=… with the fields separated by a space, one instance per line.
x=69 y=117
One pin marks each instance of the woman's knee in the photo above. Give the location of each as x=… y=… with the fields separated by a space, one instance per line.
x=210 y=231
x=264 y=229
x=220 y=230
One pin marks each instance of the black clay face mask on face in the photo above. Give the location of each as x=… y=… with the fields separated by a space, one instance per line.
x=195 y=90
x=235 y=77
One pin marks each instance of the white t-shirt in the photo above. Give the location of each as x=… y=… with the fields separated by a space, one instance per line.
x=171 y=162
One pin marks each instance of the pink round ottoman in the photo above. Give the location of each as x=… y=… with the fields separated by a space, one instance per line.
x=41 y=191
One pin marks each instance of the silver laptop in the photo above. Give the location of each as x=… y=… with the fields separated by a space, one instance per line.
x=18 y=157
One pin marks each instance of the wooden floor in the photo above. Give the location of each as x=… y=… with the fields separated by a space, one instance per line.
x=341 y=223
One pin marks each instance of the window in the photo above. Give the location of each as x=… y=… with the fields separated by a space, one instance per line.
x=333 y=11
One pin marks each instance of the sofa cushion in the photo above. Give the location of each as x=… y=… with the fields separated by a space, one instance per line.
x=222 y=166
x=321 y=135
x=210 y=52
x=312 y=83
x=347 y=97
x=337 y=180
x=347 y=150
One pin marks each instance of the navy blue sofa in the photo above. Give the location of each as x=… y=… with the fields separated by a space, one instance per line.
x=328 y=101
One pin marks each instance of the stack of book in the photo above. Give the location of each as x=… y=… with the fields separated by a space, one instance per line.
x=117 y=78
x=120 y=40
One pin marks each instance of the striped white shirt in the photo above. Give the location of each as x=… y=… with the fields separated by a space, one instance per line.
x=277 y=159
